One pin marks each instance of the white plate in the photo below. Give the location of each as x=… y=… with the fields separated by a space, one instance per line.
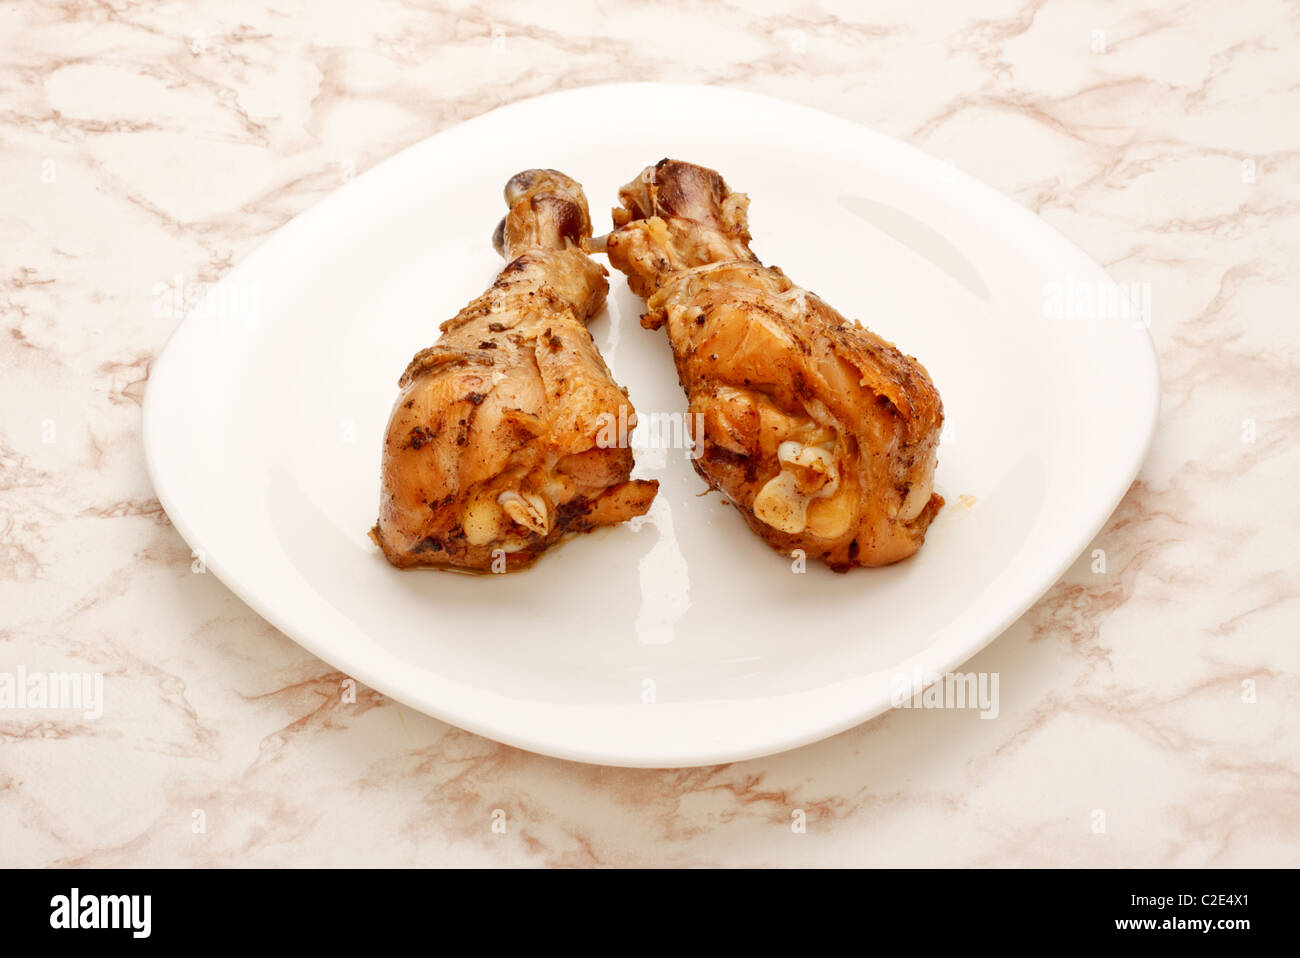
x=681 y=639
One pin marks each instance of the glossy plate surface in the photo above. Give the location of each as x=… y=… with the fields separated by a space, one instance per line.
x=680 y=639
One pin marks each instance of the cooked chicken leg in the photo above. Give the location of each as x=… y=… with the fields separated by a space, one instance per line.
x=822 y=433
x=499 y=443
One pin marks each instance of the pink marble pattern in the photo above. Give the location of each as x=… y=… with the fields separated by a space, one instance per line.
x=144 y=142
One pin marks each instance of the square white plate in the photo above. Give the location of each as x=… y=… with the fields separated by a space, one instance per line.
x=679 y=639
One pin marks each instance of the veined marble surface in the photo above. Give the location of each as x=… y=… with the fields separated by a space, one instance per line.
x=1147 y=712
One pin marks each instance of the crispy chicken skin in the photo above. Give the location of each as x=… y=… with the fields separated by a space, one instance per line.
x=823 y=434
x=493 y=448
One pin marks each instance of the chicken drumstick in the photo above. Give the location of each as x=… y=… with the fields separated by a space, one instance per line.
x=823 y=434
x=494 y=447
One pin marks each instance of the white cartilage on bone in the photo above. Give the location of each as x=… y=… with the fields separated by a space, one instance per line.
x=807 y=474
x=918 y=496
x=527 y=509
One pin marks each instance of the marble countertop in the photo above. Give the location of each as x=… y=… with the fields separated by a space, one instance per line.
x=1147 y=711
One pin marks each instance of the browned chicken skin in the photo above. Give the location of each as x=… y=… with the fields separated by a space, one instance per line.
x=822 y=433
x=493 y=449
